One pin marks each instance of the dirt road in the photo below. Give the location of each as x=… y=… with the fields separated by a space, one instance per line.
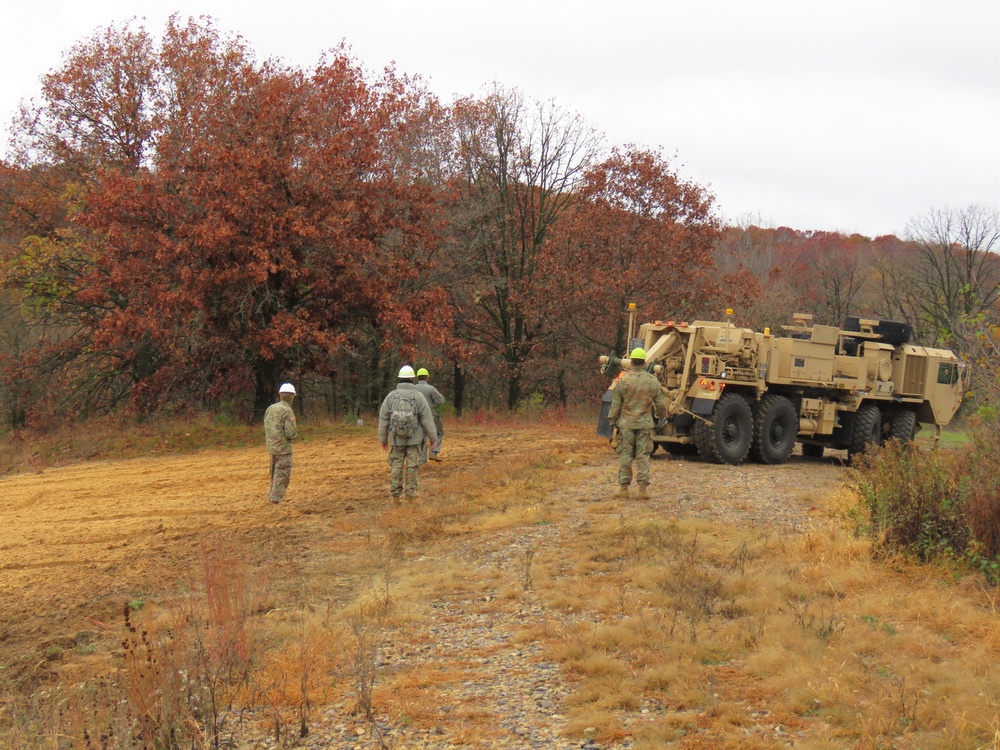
x=77 y=542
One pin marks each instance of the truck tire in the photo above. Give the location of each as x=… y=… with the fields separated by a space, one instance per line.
x=726 y=437
x=775 y=427
x=902 y=425
x=867 y=430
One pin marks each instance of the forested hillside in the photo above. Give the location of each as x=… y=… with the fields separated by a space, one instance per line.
x=184 y=226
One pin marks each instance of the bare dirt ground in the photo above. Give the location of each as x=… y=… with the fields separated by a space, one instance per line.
x=79 y=542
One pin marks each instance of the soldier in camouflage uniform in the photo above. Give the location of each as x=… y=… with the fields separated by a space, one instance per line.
x=404 y=452
x=434 y=400
x=635 y=397
x=279 y=432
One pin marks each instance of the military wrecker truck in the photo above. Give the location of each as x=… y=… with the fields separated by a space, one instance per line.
x=734 y=393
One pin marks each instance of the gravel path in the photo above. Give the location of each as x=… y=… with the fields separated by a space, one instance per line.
x=509 y=683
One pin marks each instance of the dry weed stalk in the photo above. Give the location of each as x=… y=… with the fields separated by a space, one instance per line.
x=303 y=671
x=641 y=539
x=524 y=561
x=364 y=670
x=693 y=588
x=226 y=652
x=156 y=682
x=179 y=677
x=745 y=554
x=752 y=631
x=621 y=581
x=306 y=656
x=824 y=625
x=366 y=624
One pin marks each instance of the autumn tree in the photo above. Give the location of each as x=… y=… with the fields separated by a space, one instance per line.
x=635 y=232
x=516 y=167
x=956 y=286
x=99 y=120
x=758 y=256
x=893 y=262
x=958 y=277
x=829 y=274
x=235 y=223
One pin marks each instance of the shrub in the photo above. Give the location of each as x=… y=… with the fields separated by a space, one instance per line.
x=932 y=502
x=913 y=499
x=981 y=484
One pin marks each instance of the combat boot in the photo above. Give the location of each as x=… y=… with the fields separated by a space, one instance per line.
x=643 y=491
x=622 y=492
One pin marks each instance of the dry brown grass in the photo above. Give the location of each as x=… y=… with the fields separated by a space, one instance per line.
x=876 y=654
x=668 y=627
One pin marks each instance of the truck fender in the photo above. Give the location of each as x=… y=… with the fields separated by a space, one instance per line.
x=702 y=405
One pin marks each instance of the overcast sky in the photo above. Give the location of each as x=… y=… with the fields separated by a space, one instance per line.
x=840 y=115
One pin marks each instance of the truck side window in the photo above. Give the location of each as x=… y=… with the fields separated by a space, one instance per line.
x=947 y=373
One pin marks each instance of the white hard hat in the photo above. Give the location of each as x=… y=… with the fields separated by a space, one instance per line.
x=406 y=372
x=287 y=388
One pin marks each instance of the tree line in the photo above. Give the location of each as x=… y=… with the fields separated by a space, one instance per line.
x=183 y=226
x=943 y=279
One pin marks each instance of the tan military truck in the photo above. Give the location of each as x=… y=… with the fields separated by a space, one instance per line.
x=734 y=393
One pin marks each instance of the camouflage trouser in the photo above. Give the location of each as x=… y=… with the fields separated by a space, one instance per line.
x=403 y=458
x=439 y=426
x=281 y=475
x=634 y=445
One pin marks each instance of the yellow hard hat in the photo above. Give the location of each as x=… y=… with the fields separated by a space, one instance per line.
x=422 y=372
x=638 y=353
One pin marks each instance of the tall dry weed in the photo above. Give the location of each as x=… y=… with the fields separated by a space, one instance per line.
x=982 y=490
x=936 y=503
x=184 y=671
x=694 y=588
x=913 y=499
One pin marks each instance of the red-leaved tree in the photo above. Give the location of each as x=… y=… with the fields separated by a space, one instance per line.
x=248 y=222
x=637 y=232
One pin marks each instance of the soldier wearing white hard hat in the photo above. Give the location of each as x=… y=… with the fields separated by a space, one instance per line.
x=279 y=432
x=404 y=420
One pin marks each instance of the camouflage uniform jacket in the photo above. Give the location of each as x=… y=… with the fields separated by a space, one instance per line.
x=425 y=417
x=279 y=428
x=432 y=394
x=636 y=394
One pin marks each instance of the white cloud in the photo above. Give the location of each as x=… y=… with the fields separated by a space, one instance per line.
x=855 y=115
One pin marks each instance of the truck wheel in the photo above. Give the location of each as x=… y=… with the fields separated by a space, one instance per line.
x=811 y=450
x=775 y=426
x=726 y=438
x=903 y=425
x=867 y=430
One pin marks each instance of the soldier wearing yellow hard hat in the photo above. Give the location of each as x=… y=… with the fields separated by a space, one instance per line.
x=636 y=396
x=434 y=400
